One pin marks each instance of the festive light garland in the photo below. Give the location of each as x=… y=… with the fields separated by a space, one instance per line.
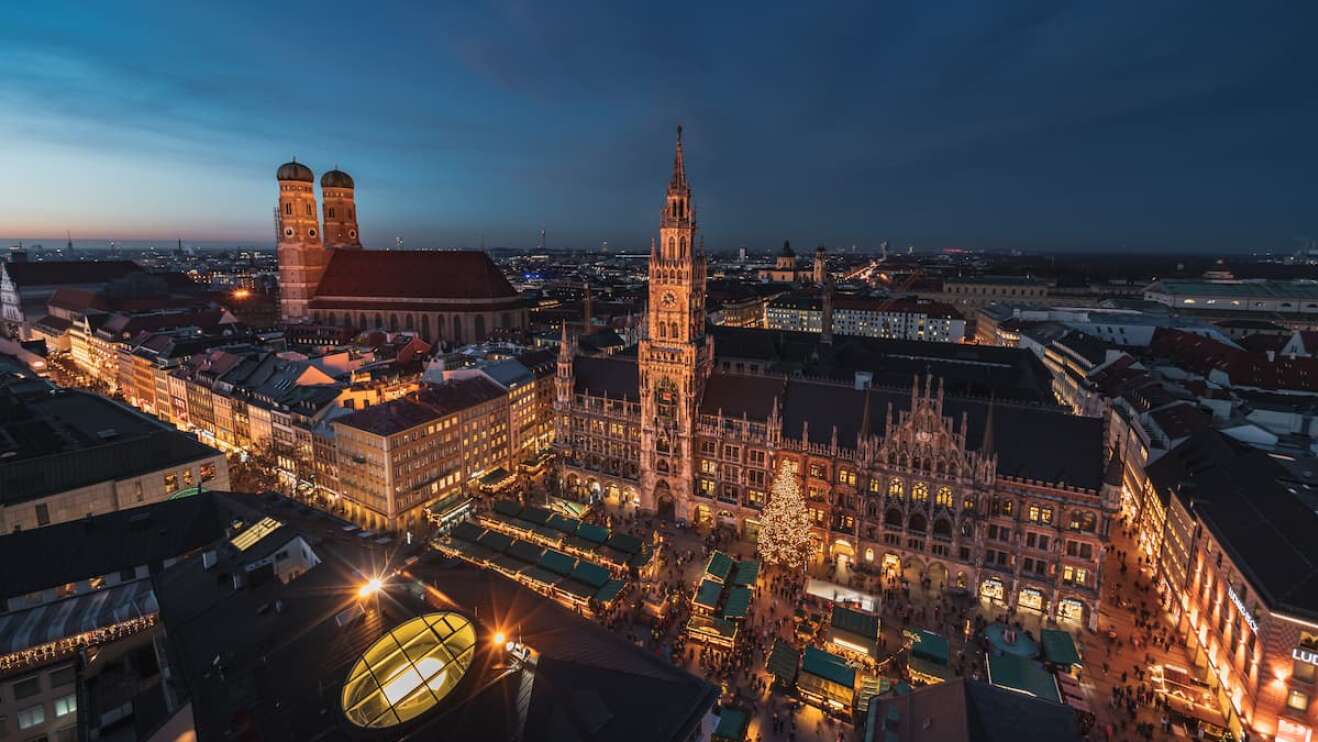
x=785 y=526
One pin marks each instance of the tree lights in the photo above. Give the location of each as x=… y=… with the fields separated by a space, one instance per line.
x=785 y=527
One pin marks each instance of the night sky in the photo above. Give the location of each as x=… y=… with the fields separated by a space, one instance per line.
x=1040 y=125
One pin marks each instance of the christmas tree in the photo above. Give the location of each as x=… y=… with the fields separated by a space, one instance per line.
x=785 y=526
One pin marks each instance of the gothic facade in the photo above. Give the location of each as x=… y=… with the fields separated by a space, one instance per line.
x=1006 y=501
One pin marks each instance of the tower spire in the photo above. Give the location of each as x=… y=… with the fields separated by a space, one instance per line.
x=679 y=164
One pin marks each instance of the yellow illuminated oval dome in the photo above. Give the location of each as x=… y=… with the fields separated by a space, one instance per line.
x=409 y=670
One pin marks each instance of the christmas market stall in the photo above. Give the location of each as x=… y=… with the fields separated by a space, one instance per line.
x=1023 y=675
x=732 y=726
x=1059 y=650
x=783 y=664
x=711 y=630
x=927 y=661
x=826 y=681
x=854 y=632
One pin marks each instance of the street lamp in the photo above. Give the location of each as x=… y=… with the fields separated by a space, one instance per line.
x=371 y=587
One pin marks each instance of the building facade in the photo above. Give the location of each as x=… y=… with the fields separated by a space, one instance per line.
x=861 y=316
x=896 y=479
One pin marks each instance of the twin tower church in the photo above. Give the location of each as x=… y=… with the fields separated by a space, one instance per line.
x=326 y=277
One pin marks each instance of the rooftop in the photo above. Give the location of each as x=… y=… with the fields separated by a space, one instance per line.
x=1252 y=289
x=964 y=710
x=414 y=274
x=69 y=439
x=275 y=656
x=979 y=370
x=1040 y=443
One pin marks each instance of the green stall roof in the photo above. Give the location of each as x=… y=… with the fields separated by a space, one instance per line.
x=738 y=604
x=855 y=622
x=591 y=574
x=930 y=646
x=624 y=542
x=747 y=571
x=535 y=514
x=509 y=508
x=828 y=666
x=708 y=593
x=719 y=566
x=610 y=591
x=557 y=562
x=1023 y=674
x=526 y=551
x=503 y=561
x=783 y=661
x=1058 y=647
x=732 y=726
x=593 y=533
x=466 y=531
x=542 y=575
x=579 y=589
x=495 y=541
x=563 y=525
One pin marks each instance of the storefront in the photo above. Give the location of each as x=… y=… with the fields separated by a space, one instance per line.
x=993 y=590
x=1030 y=599
x=1071 y=610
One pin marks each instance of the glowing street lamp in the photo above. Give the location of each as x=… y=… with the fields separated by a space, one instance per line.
x=371 y=587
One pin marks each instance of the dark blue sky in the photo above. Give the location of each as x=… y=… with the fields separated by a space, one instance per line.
x=1168 y=125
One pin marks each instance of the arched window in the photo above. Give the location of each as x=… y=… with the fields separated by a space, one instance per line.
x=663 y=331
x=943 y=527
x=895 y=488
x=393 y=321
x=682 y=253
x=893 y=517
x=672 y=331
x=480 y=327
x=309 y=212
x=379 y=321
x=457 y=328
x=288 y=208
x=944 y=497
x=672 y=245
x=919 y=523
x=920 y=492
x=331 y=212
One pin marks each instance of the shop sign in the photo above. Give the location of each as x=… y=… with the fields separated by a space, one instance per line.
x=1305 y=655
x=1240 y=606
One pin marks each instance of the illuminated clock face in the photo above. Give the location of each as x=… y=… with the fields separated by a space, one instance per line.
x=668 y=299
x=922 y=436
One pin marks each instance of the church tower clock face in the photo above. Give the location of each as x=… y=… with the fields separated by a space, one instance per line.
x=668 y=299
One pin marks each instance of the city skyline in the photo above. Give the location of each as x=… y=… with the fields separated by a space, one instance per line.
x=1024 y=128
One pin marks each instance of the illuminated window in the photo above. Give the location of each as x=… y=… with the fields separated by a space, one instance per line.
x=895 y=488
x=919 y=492
x=1297 y=700
x=409 y=670
x=944 y=497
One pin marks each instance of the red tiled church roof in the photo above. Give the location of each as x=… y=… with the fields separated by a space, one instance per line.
x=413 y=274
